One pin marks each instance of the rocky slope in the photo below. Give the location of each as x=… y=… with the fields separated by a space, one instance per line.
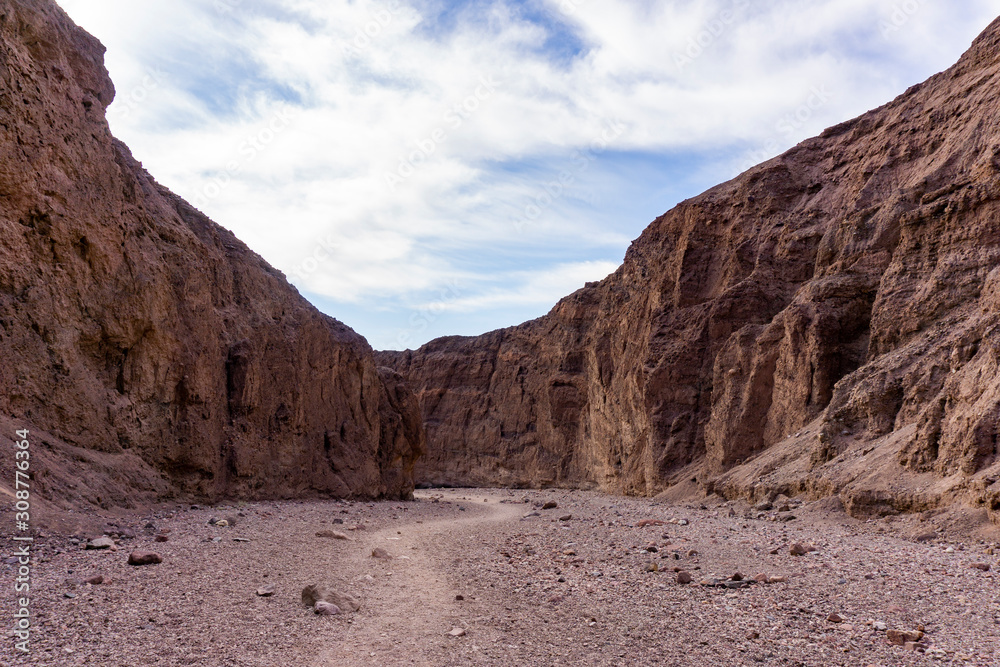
x=828 y=322
x=146 y=348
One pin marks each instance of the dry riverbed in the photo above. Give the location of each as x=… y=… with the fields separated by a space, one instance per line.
x=484 y=577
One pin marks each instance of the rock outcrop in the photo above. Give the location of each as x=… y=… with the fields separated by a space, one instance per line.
x=138 y=336
x=827 y=322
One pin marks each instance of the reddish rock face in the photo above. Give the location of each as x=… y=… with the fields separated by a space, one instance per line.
x=827 y=322
x=140 y=336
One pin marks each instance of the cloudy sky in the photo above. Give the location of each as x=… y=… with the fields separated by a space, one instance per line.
x=420 y=168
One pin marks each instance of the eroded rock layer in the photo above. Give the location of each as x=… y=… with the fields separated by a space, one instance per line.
x=827 y=322
x=133 y=327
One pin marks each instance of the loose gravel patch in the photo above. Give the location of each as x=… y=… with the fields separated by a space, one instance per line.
x=488 y=577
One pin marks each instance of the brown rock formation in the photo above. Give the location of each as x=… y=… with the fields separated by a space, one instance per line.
x=827 y=322
x=137 y=335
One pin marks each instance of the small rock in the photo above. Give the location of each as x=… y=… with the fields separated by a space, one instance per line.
x=313 y=593
x=459 y=598
x=325 y=608
x=652 y=567
x=925 y=537
x=799 y=549
x=161 y=538
x=835 y=618
x=683 y=522
x=101 y=543
x=901 y=637
x=221 y=523
x=530 y=514
x=880 y=626
x=95 y=580
x=736 y=577
x=551 y=505
x=568 y=517
x=144 y=558
x=980 y=566
x=240 y=539
x=692 y=553
x=265 y=591
x=381 y=553
x=778 y=580
x=684 y=577
x=457 y=632
x=762 y=579
x=332 y=535
x=216 y=539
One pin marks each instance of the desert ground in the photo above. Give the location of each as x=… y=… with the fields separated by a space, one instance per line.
x=489 y=577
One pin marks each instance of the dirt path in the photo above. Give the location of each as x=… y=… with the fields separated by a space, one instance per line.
x=406 y=618
x=589 y=582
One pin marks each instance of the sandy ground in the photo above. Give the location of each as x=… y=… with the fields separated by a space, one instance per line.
x=571 y=585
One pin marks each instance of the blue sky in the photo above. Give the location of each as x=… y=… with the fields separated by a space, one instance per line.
x=420 y=168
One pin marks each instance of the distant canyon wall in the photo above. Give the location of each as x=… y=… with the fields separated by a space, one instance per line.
x=828 y=322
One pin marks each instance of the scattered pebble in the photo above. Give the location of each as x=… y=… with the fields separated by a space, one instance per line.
x=799 y=549
x=318 y=592
x=144 y=558
x=101 y=543
x=325 y=608
x=332 y=534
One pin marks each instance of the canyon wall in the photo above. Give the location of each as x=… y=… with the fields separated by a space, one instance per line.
x=137 y=335
x=827 y=322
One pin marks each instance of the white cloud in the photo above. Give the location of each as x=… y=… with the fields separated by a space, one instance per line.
x=526 y=288
x=375 y=153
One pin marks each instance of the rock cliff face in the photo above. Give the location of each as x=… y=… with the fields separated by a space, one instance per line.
x=138 y=335
x=827 y=322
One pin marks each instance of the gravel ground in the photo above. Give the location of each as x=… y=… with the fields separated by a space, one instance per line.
x=592 y=581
